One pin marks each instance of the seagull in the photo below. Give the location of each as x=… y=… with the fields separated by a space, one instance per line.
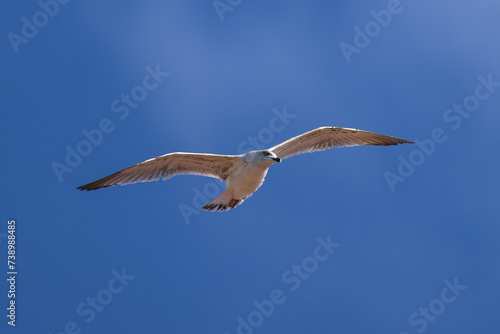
x=243 y=173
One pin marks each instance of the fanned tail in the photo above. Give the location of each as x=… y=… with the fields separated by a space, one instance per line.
x=223 y=202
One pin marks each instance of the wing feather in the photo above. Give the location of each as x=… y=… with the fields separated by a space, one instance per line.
x=329 y=137
x=167 y=166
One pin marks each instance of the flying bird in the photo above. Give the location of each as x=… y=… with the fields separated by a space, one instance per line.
x=243 y=173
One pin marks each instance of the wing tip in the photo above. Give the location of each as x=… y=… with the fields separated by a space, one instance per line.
x=404 y=141
x=90 y=186
x=389 y=141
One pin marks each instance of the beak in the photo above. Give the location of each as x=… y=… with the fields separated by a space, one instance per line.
x=277 y=159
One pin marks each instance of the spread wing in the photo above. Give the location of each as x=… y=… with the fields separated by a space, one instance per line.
x=325 y=138
x=167 y=166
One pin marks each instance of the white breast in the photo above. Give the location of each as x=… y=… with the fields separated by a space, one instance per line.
x=245 y=181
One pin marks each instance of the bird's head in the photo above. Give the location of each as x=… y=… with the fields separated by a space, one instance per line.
x=262 y=156
x=270 y=155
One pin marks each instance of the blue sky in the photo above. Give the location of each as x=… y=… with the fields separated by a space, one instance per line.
x=369 y=239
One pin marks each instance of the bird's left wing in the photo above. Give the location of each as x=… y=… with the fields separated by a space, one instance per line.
x=167 y=166
x=329 y=137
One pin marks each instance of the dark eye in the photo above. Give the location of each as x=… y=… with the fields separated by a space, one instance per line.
x=267 y=153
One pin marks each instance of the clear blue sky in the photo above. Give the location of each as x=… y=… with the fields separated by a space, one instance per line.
x=397 y=240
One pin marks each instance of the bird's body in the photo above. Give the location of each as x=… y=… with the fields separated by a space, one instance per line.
x=244 y=173
x=247 y=177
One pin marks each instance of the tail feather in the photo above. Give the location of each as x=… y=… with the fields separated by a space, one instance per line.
x=223 y=202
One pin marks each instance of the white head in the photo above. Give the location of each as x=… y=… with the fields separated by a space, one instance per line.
x=262 y=156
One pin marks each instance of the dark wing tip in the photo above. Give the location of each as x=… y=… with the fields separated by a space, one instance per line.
x=101 y=183
x=91 y=186
x=396 y=141
x=404 y=141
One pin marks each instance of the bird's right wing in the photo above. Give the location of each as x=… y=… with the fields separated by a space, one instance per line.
x=167 y=166
x=329 y=137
